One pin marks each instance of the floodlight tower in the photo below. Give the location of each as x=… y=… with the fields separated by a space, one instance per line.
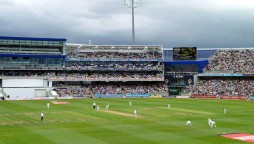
x=132 y=4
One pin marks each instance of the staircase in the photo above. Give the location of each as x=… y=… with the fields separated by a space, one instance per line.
x=52 y=93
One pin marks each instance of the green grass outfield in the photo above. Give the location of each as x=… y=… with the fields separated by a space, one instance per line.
x=78 y=123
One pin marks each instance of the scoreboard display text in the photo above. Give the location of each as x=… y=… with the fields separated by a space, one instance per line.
x=185 y=53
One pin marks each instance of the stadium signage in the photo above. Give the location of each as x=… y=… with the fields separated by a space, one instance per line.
x=219 y=74
x=137 y=95
x=221 y=97
x=234 y=97
x=112 y=59
x=202 y=96
x=178 y=76
x=120 y=95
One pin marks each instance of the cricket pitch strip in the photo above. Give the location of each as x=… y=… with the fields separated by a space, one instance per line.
x=121 y=113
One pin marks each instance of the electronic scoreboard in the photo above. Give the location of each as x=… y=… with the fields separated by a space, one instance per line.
x=185 y=53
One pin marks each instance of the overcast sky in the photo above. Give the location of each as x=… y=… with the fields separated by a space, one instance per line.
x=201 y=23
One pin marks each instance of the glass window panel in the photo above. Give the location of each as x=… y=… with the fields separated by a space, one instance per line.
x=10 y=42
x=45 y=42
x=39 y=42
x=41 y=61
x=16 y=41
x=22 y=41
x=50 y=61
x=33 y=42
x=28 y=42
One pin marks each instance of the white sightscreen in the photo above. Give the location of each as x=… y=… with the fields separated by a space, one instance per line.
x=22 y=83
x=25 y=92
x=19 y=92
x=40 y=93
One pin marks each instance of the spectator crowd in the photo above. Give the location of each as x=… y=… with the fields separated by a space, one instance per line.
x=116 y=89
x=222 y=87
x=126 y=66
x=87 y=76
x=236 y=61
x=109 y=54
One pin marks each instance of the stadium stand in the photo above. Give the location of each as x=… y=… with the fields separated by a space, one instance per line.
x=228 y=76
x=123 y=66
x=222 y=87
x=235 y=61
x=48 y=67
x=41 y=68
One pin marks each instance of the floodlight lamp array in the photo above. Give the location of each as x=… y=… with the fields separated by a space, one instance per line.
x=132 y=3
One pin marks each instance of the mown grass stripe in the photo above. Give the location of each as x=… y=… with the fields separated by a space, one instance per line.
x=188 y=110
x=77 y=122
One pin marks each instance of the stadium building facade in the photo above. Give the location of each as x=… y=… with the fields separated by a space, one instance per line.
x=24 y=61
x=181 y=73
x=43 y=68
x=38 y=68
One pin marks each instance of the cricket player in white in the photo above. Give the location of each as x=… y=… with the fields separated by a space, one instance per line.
x=107 y=107
x=48 y=105
x=135 y=113
x=188 y=123
x=98 y=107
x=213 y=124
x=168 y=106
x=130 y=103
x=94 y=105
x=209 y=121
x=224 y=110
x=42 y=116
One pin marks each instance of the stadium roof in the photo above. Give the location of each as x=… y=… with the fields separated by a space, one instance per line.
x=32 y=39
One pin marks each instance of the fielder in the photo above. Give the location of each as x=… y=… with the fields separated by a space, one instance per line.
x=107 y=107
x=94 y=105
x=130 y=103
x=213 y=124
x=188 y=123
x=48 y=105
x=42 y=116
x=168 y=106
x=135 y=113
x=224 y=110
x=209 y=121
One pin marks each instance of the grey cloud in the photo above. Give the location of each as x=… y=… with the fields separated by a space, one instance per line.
x=202 y=23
